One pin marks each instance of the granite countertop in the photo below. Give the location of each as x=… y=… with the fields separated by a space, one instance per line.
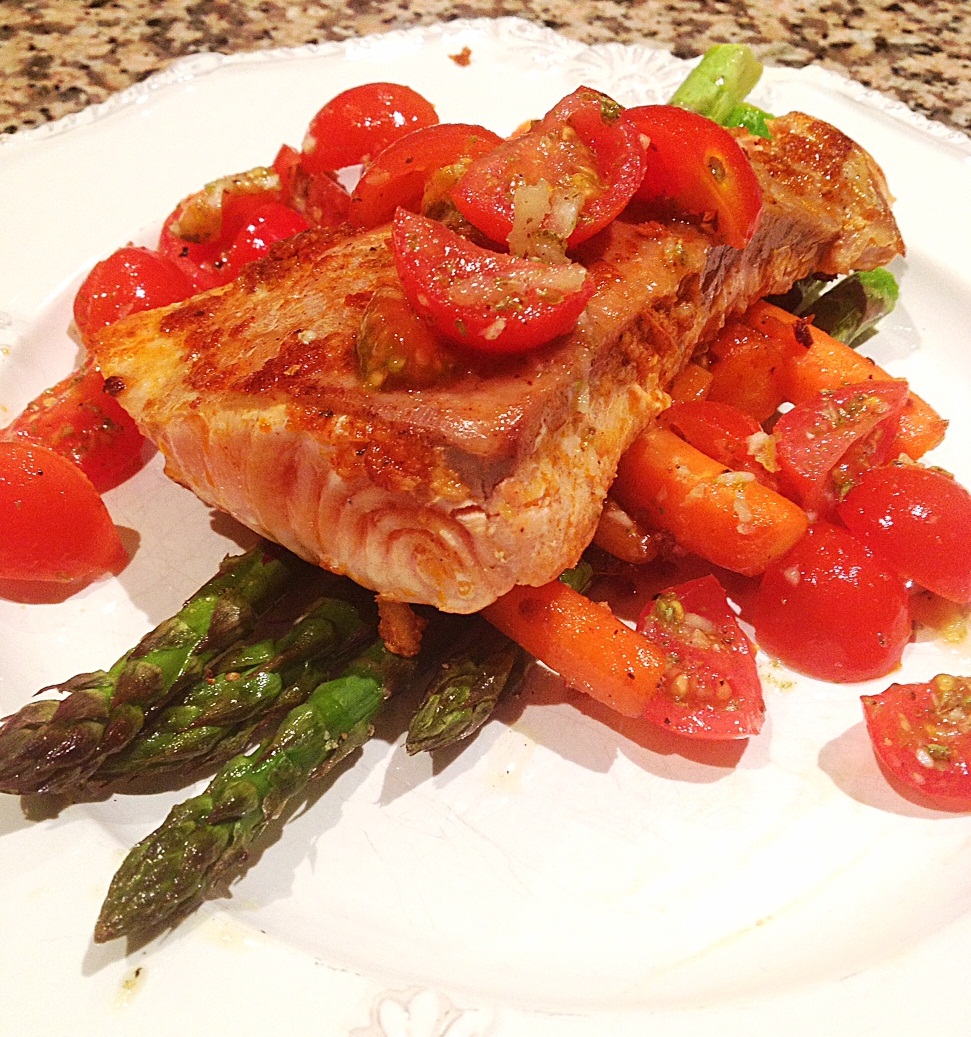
x=58 y=56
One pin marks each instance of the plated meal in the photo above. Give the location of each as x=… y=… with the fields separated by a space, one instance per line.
x=587 y=393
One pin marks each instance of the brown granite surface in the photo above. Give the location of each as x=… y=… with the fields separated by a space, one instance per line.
x=57 y=56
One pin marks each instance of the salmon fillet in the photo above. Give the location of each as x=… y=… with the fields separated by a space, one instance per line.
x=496 y=475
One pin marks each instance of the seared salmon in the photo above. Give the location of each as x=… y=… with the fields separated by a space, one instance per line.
x=495 y=474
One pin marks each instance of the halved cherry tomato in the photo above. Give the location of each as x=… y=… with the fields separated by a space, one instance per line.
x=711 y=687
x=79 y=420
x=830 y=610
x=56 y=527
x=560 y=182
x=355 y=125
x=269 y=223
x=918 y=520
x=206 y=261
x=726 y=435
x=823 y=444
x=484 y=300
x=319 y=197
x=130 y=280
x=398 y=175
x=697 y=166
x=921 y=733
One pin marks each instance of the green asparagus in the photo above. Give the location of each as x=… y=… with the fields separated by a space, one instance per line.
x=167 y=873
x=218 y=716
x=464 y=692
x=719 y=82
x=53 y=745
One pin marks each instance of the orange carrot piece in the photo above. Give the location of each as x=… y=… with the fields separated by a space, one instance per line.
x=582 y=641
x=746 y=369
x=692 y=383
x=726 y=517
x=824 y=362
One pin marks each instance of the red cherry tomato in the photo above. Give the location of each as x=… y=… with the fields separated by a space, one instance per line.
x=360 y=122
x=79 y=420
x=55 y=526
x=207 y=263
x=918 y=520
x=726 y=435
x=830 y=610
x=398 y=175
x=484 y=300
x=130 y=280
x=564 y=179
x=824 y=443
x=269 y=223
x=921 y=733
x=697 y=167
x=711 y=687
x=320 y=197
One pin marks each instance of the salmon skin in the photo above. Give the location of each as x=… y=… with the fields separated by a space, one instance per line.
x=496 y=474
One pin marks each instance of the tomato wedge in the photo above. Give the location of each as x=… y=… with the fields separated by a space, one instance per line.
x=696 y=167
x=831 y=610
x=79 y=420
x=490 y=302
x=921 y=733
x=130 y=280
x=560 y=182
x=354 y=126
x=200 y=233
x=825 y=443
x=725 y=434
x=398 y=175
x=918 y=520
x=56 y=528
x=711 y=687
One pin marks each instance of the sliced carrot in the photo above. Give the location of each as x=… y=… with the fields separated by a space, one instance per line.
x=824 y=362
x=692 y=383
x=726 y=517
x=584 y=642
x=747 y=369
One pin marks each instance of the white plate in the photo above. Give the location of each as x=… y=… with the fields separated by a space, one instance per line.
x=557 y=877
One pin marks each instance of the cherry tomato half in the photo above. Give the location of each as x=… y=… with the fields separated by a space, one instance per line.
x=918 y=520
x=398 y=175
x=697 y=166
x=206 y=261
x=830 y=610
x=826 y=442
x=561 y=181
x=726 y=435
x=921 y=733
x=56 y=527
x=484 y=300
x=130 y=280
x=79 y=420
x=319 y=197
x=711 y=687
x=357 y=124
x=267 y=224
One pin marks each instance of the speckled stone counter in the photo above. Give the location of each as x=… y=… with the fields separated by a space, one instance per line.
x=57 y=56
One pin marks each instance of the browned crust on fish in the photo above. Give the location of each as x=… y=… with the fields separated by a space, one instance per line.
x=495 y=476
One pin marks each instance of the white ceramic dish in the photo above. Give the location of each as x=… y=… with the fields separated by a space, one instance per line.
x=559 y=877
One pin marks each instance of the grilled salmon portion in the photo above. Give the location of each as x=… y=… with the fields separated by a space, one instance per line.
x=495 y=474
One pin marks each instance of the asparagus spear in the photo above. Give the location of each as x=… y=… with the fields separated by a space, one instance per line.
x=719 y=82
x=52 y=745
x=852 y=308
x=465 y=690
x=463 y=694
x=173 y=868
x=219 y=714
